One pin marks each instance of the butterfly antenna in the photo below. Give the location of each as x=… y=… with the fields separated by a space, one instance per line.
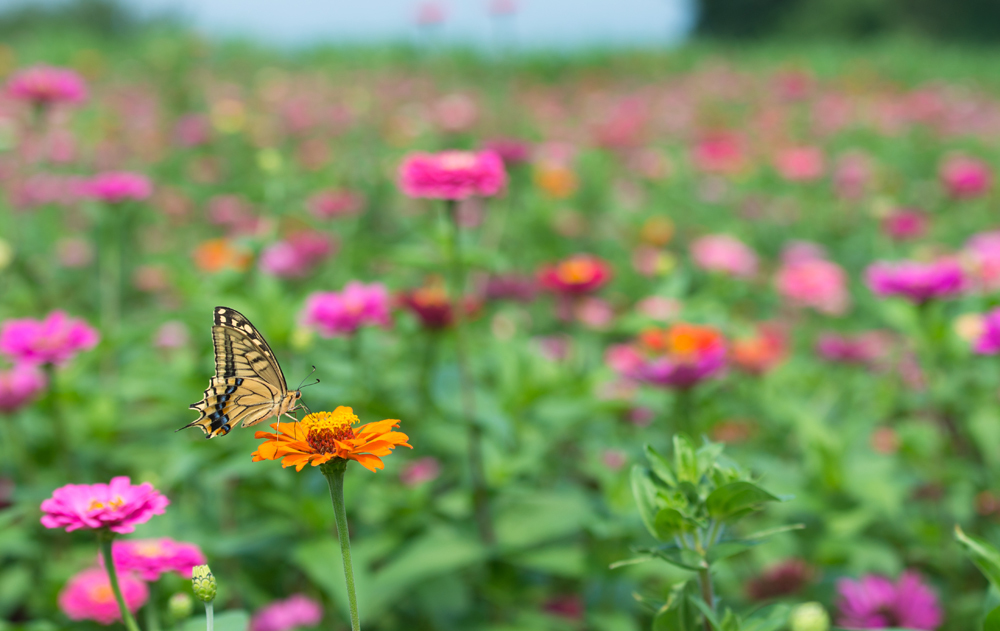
x=307 y=376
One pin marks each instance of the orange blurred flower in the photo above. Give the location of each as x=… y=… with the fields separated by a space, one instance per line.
x=323 y=436
x=216 y=255
x=762 y=352
x=556 y=180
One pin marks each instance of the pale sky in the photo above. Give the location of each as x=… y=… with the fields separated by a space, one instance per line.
x=537 y=23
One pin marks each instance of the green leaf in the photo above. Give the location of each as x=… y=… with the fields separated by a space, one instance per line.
x=702 y=606
x=761 y=535
x=685 y=460
x=736 y=499
x=681 y=557
x=669 y=523
x=645 y=497
x=770 y=618
x=728 y=549
x=992 y=621
x=984 y=555
x=678 y=614
x=660 y=466
x=635 y=561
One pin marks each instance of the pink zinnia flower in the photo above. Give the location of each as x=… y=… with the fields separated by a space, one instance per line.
x=452 y=174
x=965 y=177
x=149 y=558
x=988 y=340
x=983 y=252
x=343 y=313
x=905 y=223
x=114 y=187
x=800 y=164
x=47 y=85
x=88 y=596
x=19 y=385
x=875 y=602
x=722 y=153
x=420 y=471
x=916 y=281
x=679 y=357
x=54 y=340
x=815 y=283
x=783 y=579
x=510 y=150
x=284 y=615
x=335 y=203
x=118 y=506
x=723 y=253
x=576 y=275
x=297 y=255
x=864 y=348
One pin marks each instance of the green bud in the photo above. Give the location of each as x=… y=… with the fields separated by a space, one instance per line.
x=203 y=583
x=810 y=617
x=180 y=606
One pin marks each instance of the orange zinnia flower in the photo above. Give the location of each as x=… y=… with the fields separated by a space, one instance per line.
x=323 y=436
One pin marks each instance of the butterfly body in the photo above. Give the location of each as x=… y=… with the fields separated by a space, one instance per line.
x=248 y=386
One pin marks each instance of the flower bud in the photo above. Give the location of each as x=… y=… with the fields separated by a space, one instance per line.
x=180 y=606
x=809 y=617
x=203 y=583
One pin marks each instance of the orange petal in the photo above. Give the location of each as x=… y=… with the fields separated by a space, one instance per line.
x=372 y=463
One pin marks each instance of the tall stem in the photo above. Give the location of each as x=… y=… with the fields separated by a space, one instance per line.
x=334 y=472
x=705 y=580
x=683 y=412
x=209 y=617
x=151 y=613
x=480 y=493
x=105 y=538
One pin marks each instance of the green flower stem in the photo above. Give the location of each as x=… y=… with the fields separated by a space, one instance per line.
x=209 y=616
x=684 y=411
x=151 y=613
x=105 y=538
x=480 y=492
x=705 y=580
x=334 y=472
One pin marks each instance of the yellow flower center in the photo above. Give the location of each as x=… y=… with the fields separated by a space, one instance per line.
x=576 y=271
x=101 y=594
x=149 y=549
x=324 y=428
x=114 y=504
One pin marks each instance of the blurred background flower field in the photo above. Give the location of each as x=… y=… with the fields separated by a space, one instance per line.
x=765 y=239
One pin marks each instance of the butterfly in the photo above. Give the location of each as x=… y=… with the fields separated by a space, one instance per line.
x=248 y=385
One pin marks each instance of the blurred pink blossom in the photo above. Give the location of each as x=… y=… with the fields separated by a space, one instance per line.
x=965 y=178
x=988 y=340
x=192 y=130
x=815 y=283
x=19 y=385
x=420 y=471
x=875 y=602
x=336 y=314
x=172 y=335
x=511 y=150
x=917 y=281
x=54 y=340
x=456 y=113
x=284 y=615
x=114 y=187
x=800 y=164
x=47 y=85
x=335 y=203
x=151 y=558
x=852 y=175
x=88 y=596
x=866 y=348
x=297 y=255
x=905 y=223
x=430 y=14
x=724 y=253
x=722 y=153
x=452 y=174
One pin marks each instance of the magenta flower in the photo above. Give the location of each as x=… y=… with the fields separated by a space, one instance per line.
x=47 y=85
x=118 y=506
x=916 y=281
x=335 y=314
x=335 y=203
x=452 y=174
x=510 y=150
x=678 y=357
x=988 y=340
x=723 y=253
x=800 y=164
x=150 y=558
x=815 y=283
x=88 y=596
x=420 y=471
x=19 y=385
x=54 y=340
x=297 y=255
x=865 y=348
x=875 y=602
x=965 y=177
x=115 y=187
x=284 y=615
x=905 y=224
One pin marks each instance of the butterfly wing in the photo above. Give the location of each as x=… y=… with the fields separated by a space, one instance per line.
x=248 y=386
